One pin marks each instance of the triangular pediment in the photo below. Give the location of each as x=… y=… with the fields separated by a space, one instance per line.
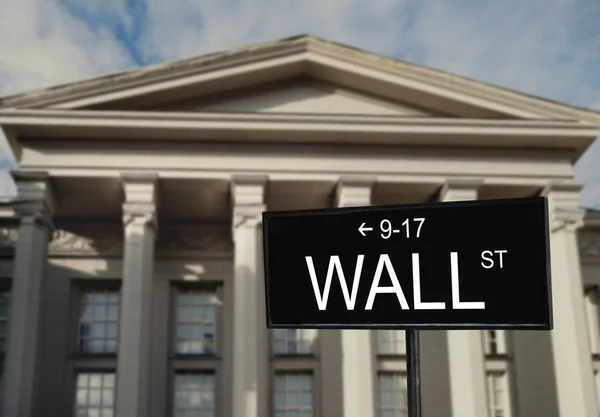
x=295 y=96
x=265 y=78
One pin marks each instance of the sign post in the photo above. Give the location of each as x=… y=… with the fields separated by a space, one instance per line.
x=456 y=265
x=413 y=374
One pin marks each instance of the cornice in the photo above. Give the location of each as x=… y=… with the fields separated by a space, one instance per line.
x=305 y=129
x=159 y=76
x=503 y=99
x=59 y=117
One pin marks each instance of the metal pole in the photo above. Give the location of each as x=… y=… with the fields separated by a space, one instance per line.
x=413 y=367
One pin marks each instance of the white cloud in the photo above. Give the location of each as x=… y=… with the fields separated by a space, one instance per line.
x=42 y=45
x=549 y=48
x=529 y=47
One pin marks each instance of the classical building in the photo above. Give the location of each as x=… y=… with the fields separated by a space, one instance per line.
x=131 y=258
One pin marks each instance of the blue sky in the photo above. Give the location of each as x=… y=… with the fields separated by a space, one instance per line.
x=550 y=48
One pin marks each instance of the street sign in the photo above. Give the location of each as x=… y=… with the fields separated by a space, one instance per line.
x=456 y=265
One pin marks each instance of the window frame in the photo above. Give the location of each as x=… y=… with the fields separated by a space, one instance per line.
x=296 y=368
x=377 y=333
x=592 y=316
x=174 y=288
x=6 y=286
x=596 y=375
x=78 y=288
x=204 y=362
x=384 y=363
x=297 y=363
x=378 y=408
x=311 y=352
x=501 y=343
x=74 y=387
x=502 y=364
x=504 y=376
x=198 y=369
x=100 y=365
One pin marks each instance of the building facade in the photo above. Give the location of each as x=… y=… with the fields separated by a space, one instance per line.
x=131 y=260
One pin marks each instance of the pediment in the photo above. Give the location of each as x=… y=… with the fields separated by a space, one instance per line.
x=299 y=96
x=365 y=83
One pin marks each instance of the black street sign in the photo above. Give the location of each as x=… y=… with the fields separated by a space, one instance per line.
x=458 y=265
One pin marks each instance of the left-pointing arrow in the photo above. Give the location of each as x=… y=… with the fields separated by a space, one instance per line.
x=362 y=229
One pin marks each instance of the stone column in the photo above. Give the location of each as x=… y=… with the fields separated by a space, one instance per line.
x=465 y=347
x=35 y=206
x=133 y=366
x=572 y=355
x=249 y=383
x=357 y=355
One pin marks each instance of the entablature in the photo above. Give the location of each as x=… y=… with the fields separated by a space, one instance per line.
x=316 y=129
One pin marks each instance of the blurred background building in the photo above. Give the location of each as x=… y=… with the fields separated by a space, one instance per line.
x=130 y=267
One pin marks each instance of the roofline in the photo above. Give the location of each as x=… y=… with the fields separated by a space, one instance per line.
x=59 y=95
x=153 y=73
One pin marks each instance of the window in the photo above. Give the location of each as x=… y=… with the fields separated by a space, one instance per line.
x=495 y=342
x=392 y=398
x=597 y=381
x=95 y=395
x=4 y=307
x=593 y=326
x=1 y=385
x=98 y=321
x=497 y=387
x=391 y=395
x=390 y=342
x=293 y=341
x=194 y=394
x=498 y=371
x=293 y=394
x=591 y=309
x=195 y=322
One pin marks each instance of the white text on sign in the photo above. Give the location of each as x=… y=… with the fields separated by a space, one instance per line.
x=488 y=257
x=385 y=263
x=407 y=228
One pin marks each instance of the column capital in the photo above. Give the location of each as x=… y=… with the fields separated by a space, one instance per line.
x=36 y=198
x=248 y=216
x=140 y=198
x=248 y=196
x=248 y=190
x=564 y=212
x=140 y=187
x=354 y=191
x=139 y=214
x=460 y=189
